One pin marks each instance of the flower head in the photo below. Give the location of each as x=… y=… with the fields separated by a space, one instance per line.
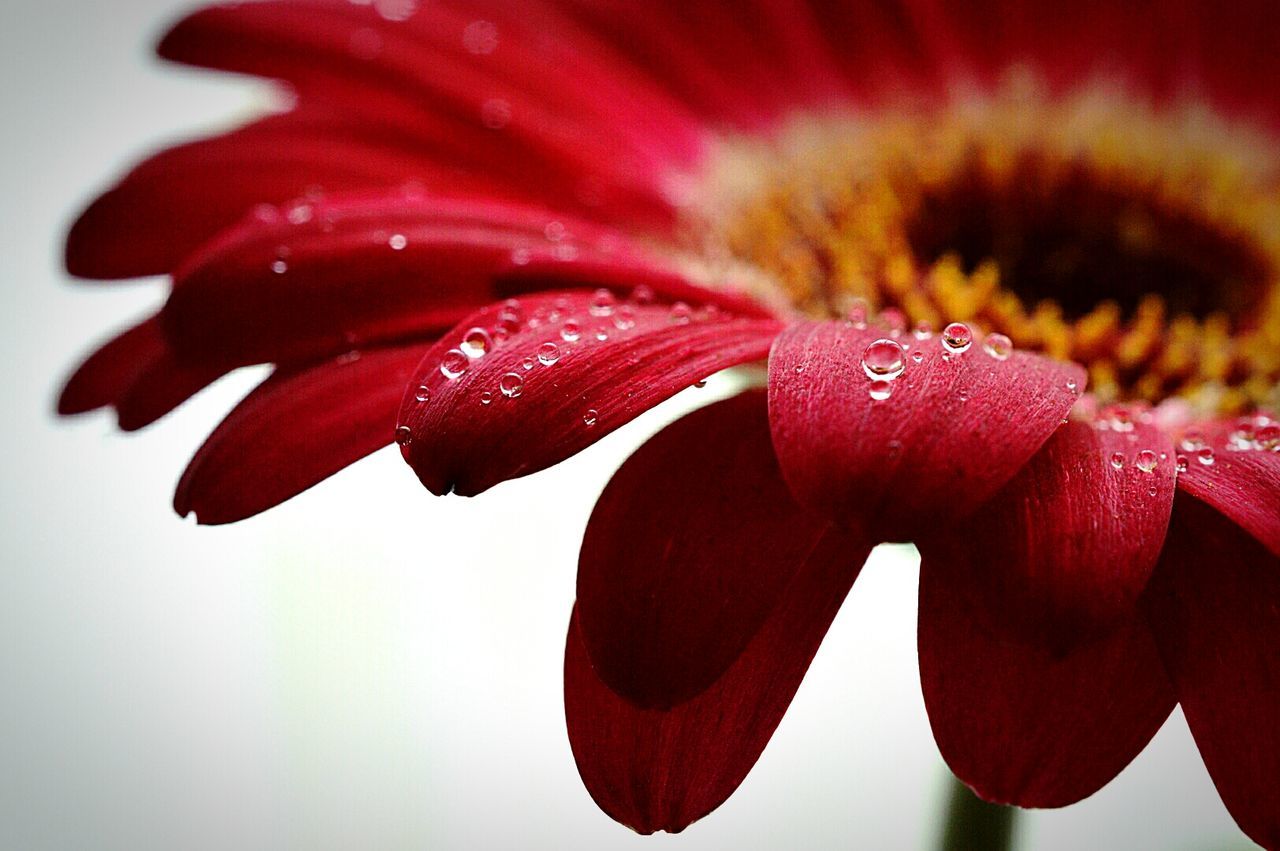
x=1016 y=290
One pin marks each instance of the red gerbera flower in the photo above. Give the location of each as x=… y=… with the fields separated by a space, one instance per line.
x=495 y=232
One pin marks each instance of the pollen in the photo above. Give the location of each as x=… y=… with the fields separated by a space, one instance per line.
x=1140 y=241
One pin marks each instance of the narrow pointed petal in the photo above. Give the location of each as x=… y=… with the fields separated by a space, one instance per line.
x=704 y=592
x=1214 y=607
x=688 y=551
x=952 y=432
x=1020 y=723
x=161 y=388
x=370 y=268
x=1244 y=486
x=1067 y=546
x=107 y=374
x=552 y=389
x=295 y=430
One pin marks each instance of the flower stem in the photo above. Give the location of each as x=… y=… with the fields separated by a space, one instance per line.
x=974 y=825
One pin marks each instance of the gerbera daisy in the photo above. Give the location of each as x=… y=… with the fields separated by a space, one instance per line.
x=1013 y=277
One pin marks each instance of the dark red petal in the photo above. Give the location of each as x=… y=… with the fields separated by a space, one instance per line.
x=1020 y=723
x=459 y=442
x=1067 y=546
x=369 y=268
x=704 y=592
x=688 y=550
x=950 y=435
x=159 y=389
x=1214 y=606
x=169 y=204
x=108 y=373
x=293 y=431
x=1244 y=486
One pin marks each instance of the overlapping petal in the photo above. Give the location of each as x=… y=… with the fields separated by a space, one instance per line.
x=704 y=592
x=955 y=428
x=545 y=392
x=293 y=431
x=1244 y=486
x=1214 y=608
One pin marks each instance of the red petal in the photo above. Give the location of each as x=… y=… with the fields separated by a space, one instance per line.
x=108 y=373
x=688 y=551
x=1244 y=486
x=950 y=435
x=293 y=431
x=365 y=269
x=1068 y=545
x=1018 y=722
x=461 y=444
x=704 y=586
x=1214 y=606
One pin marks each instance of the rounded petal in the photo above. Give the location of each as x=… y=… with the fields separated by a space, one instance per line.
x=573 y=371
x=1021 y=723
x=704 y=592
x=952 y=432
x=1214 y=607
x=1244 y=486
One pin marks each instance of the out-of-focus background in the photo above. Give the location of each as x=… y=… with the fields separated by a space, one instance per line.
x=366 y=666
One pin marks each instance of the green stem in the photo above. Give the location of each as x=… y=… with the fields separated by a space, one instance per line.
x=974 y=825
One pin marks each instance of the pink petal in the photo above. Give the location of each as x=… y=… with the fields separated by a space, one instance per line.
x=327 y=274
x=687 y=553
x=293 y=431
x=1214 y=606
x=950 y=435
x=1244 y=486
x=457 y=442
x=1067 y=546
x=1021 y=723
x=704 y=592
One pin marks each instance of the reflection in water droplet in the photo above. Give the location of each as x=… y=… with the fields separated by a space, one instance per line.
x=548 y=354
x=279 y=267
x=957 y=337
x=917 y=356
x=881 y=390
x=625 y=319
x=883 y=359
x=571 y=332
x=476 y=343
x=1146 y=461
x=527 y=363
x=486 y=397
x=590 y=416
x=1205 y=457
x=681 y=313
x=404 y=435
x=1072 y=385
x=602 y=303
x=1117 y=460
x=1182 y=463
x=453 y=364
x=511 y=385
x=923 y=330
x=423 y=394
x=397 y=241
x=998 y=346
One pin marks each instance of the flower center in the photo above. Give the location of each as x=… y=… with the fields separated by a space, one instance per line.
x=1143 y=244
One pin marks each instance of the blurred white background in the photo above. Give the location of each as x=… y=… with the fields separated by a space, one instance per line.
x=366 y=666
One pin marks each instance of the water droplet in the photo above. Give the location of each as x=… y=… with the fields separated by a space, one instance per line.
x=590 y=416
x=625 y=319
x=480 y=38
x=511 y=385
x=486 y=397
x=1205 y=457
x=1072 y=385
x=881 y=390
x=571 y=332
x=279 y=267
x=396 y=10
x=858 y=310
x=917 y=356
x=1151 y=491
x=998 y=346
x=963 y=393
x=700 y=383
x=454 y=363
x=893 y=319
x=404 y=435
x=1182 y=463
x=799 y=368
x=527 y=363
x=923 y=330
x=300 y=214
x=681 y=313
x=894 y=448
x=1117 y=460
x=423 y=393
x=642 y=295
x=883 y=359
x=603 y=303
x=1192 y=441
x=1146 y=461
x=548 y=354
x=397 y=242
x=957 y=337
x=602 y=333
x=521 y=256
x=554 y=232
x=476 y=343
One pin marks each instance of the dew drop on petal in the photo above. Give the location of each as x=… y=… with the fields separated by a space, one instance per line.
x=881 y=390
x=397 y=241
x=1072 y=385
x=1182 y=463
x=476 y=343
x=625 y=319
x=602 y=333
x=998 y=346
x=957 y=337
x=603 y=303
x=486 y=397
x=279 y=267
x=1205 y=457
x=883 y=358
x=1192 y=441
x=404 y=435
x=642 y=294
x=917 y=356
x=548 y=354
x=454 y=363
x=1117 y=460
x=858 y=311
x=511 y=385
x=571 y=332
x=700 y=383
x=681 y=313
x=527 y=363
x=923 y=330
x=590 y=416
x=1146 y=461
x=423 y=393
x=893 y=319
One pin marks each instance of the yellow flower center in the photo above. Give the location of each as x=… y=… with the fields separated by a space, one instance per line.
x=1142 y=243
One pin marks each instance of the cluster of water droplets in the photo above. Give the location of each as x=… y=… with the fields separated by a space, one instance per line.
x=885 y=359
